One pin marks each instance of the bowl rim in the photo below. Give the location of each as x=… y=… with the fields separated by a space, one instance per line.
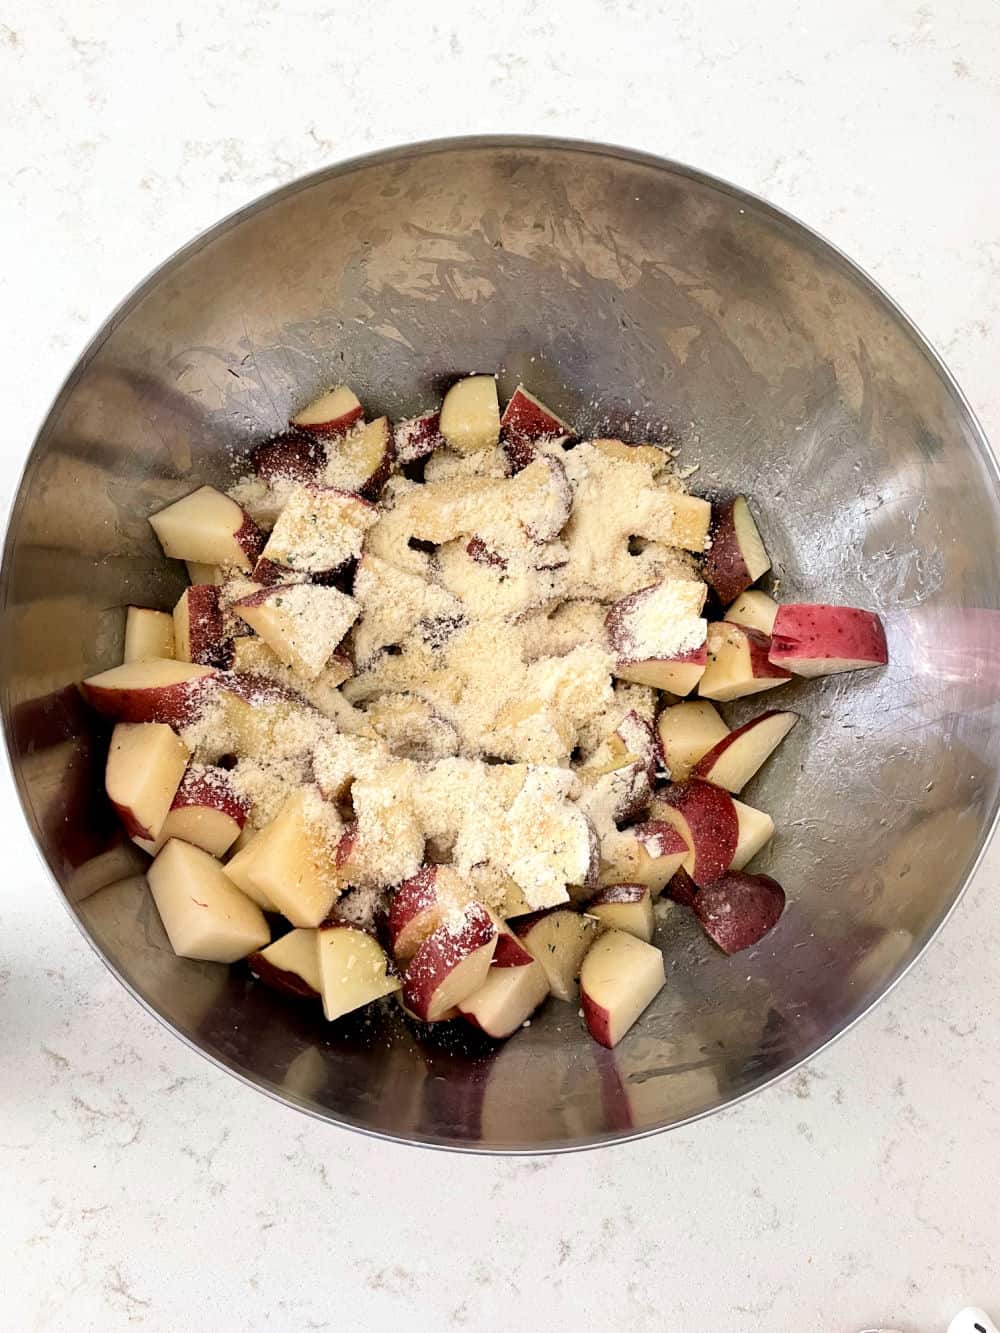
x=345 y=167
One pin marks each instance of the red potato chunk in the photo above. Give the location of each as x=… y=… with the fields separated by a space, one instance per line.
x=736 y=557
x=620 y=978
x=815 y=640
x=332 y=413
x=146 y=762
x=210 y=528
x=354 y=969
x=148 y=634
x=290 y=965
x=470 y=415
x=739 y=909
x=204 y=914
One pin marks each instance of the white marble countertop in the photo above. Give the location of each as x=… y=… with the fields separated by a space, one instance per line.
x=144 y=1188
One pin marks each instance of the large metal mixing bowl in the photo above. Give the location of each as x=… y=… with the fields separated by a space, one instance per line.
x=635 y=297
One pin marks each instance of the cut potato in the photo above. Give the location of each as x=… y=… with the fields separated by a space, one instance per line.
x=823 y=640
x=206 y=811
x=627 y=907
x=686 y=732
x=738 y=663
x=210 y=528
x=527 y=418
x=755 y=609
x=736 y=556
x=648 y=853
x=319 y=530
x=450 y=965
x=199 y=573
x=301 y=622
x=734 y=759
x=658 y=635
x=290 y=457
x=620 y=977
x=470 y=415
x=146 y=762
x=755 y=829
x=204 y=914
x=331 y=413
x=158 y=690
x=354 y=970
x=290 y=866
x=558 y=938
x=199 y=627
x=706 y=818
x=738 y=910
x=421 y=903
x=148 y=634
x=506 y=999
x=411 y=728
x=291 y=965
x=361 y=460
x=418 y=437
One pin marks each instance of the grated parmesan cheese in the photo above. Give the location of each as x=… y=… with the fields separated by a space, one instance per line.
x=478 y=610
x=662 y=621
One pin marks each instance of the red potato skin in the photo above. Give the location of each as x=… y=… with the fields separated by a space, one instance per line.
x=712 y=820
x=292 y=456
x=346 y=844
x=214 y=793
x=250 y=538
x=413 y=897
x=289 y=983
x=371 y=488
x=637 y=795
x=130 y=824
x=698 y=655
x=708 y=759
x=806 y=630
x=477 y=550
x=739 y=909
x=682 y=889
x=269 y=573
x=510 y=953
x=659 y=838
x=759 y=647
x=257 y=690
x=262 y=595
x=725 y=567
x=652 y=742
x=174 y=704
x=523 y=925
x=520 y=451
x=619 y=893
x=418 y=437
x=439 y=954
x=527 y=420
x=209 y=644
x=596 y=1018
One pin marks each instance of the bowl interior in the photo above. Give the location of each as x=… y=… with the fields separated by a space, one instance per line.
x=636 y=298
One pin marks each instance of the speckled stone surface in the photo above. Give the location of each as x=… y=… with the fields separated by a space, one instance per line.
x=141 y=1188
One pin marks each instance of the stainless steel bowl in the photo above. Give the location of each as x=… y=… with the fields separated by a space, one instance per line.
x=634 y=296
